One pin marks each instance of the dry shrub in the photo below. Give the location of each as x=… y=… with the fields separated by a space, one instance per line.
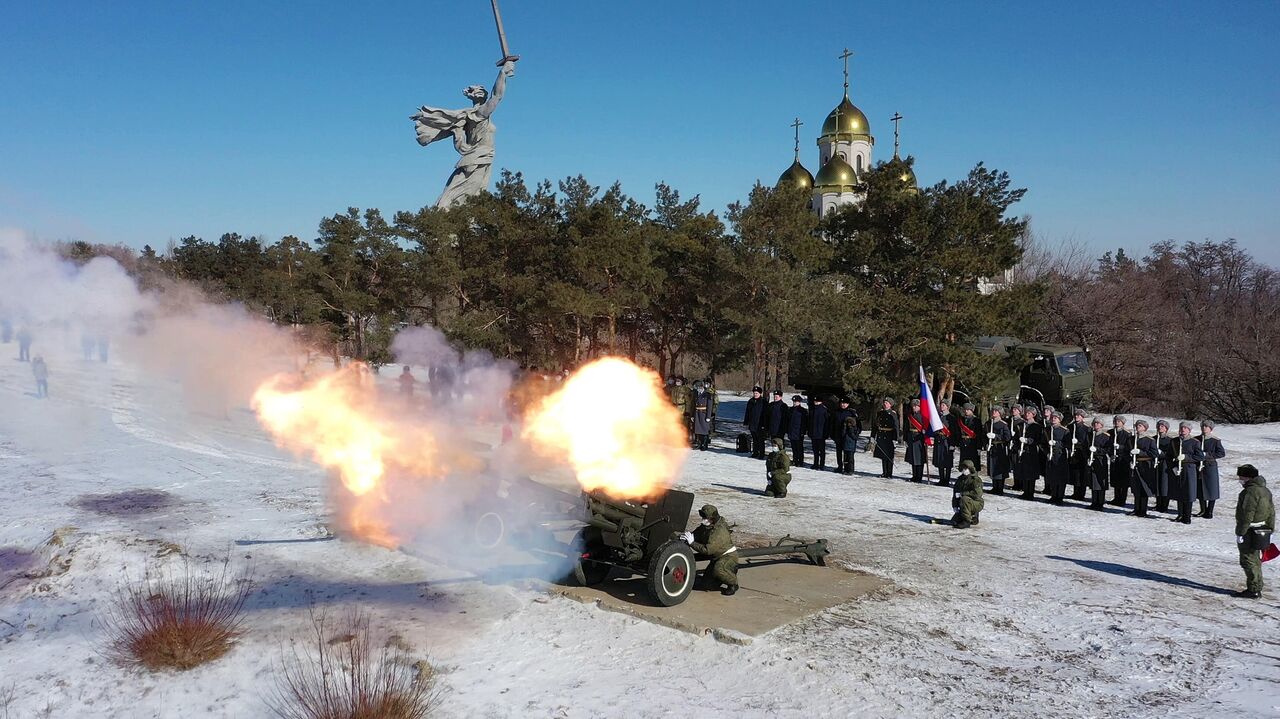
x=341 y=673
x=162 y=621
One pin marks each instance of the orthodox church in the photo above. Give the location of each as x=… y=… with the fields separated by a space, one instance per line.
x=844 y=155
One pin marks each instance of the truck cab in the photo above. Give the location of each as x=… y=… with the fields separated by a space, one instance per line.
x=1059 y=375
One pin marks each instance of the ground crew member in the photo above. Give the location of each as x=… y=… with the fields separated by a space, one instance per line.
x=777 y=470
x=41 y=372
x=713 y=540
x=884 y=436
x=1213 y=451
x=967 y=498
x=406 y=383
x=1255 y=521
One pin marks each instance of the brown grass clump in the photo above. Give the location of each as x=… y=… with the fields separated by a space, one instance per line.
x=165 y=622
x=340 y=673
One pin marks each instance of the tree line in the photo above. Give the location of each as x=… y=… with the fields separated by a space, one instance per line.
x=554 y=275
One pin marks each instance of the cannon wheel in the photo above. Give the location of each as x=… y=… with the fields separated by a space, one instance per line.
x=489 y=530
x=671 y=573
x=586 y=572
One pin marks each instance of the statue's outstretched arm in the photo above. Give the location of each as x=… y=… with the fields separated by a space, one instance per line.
x=499 y=89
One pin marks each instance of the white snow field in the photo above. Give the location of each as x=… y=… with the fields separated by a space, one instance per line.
x=1038 y=612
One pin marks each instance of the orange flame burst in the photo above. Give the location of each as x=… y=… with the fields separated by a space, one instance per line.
x=334 y=421
x=613 y=424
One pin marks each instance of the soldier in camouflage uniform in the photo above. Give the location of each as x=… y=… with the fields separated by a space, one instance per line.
x=713 y=540
x=967 y=499
x=1255 y=521
x=777 y=470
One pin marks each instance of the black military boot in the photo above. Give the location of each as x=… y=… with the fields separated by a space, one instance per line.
x=1162 y=504
x=917 y=473
x=944 y=478
x=976 y=515
x=730 y=590
x=1204 y=507
x=1208 y=512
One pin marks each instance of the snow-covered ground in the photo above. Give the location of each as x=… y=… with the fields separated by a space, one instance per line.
x=1040 y=611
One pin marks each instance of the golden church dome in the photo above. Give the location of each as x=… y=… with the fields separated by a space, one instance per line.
x=853 y=123
x=796 y=175
x=836 y=175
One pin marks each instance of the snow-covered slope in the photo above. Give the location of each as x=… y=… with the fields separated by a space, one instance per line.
x=1040 y=611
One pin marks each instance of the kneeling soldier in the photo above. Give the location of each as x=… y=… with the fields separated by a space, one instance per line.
x=1255 y=521
x=777 y=470
x=713 y=540
x=967 y=499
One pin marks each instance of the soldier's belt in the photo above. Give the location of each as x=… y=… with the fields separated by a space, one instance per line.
x=1144 y=459
x=884 y=429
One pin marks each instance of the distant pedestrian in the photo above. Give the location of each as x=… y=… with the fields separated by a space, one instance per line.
x=797 y=423
x=407 y=382
x=24 y=344
x=1255 y=521
x=819 y=427
x=754 y=418
x=41 y=373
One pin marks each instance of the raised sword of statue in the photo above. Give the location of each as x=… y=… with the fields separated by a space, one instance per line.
x=502 y=36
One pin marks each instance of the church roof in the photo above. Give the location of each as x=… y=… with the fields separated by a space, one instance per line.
x=852 y=123
x=796 y=175
x=836 y=175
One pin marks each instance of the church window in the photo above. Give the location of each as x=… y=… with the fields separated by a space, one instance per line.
x=859 y=164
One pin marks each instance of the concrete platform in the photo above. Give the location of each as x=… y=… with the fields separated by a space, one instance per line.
x=772 y=594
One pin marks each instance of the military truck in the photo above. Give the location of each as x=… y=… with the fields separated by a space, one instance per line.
x=1052 y=374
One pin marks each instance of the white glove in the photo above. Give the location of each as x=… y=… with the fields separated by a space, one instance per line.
x=1053 y=443
x=1133 y=451
x=686 y=537
x=769 y=475
x=957 y=495
x=1093 y=448
x=1075 y=440
x=991 y=435
x=1182 y=457
x=1239 y=540
x=1025 y=440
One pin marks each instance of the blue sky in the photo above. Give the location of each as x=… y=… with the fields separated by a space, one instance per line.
x=141 y=122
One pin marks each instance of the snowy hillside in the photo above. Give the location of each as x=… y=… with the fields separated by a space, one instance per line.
x=1041 y=611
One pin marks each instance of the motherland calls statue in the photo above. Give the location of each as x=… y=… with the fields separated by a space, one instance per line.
x=472 y=132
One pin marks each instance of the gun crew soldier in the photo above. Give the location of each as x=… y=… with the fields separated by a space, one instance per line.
x=916 y=453
x=967 y=498
x=777 y=471
x=1143 y=468
x=713 y=540
x=1212 y=449
x=884 y=436
x=1255 y=521
x=998 y=438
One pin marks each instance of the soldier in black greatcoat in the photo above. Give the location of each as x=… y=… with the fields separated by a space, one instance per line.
x=797 y=423
x=1164 y=467
x=1185 y=476
x=1030 y=458
x=998 y=439
x=943 y=453
x=968 y=435
x=916 y=430
x=1057 y=469
x=819 y=426
x=836 y=431
x=1121 y=443
x=1078 y=454
x=1099 y=464
x=884 y=436
x=776 y=417
x=1213 y=451
x=1145 y=456
x=753 y=420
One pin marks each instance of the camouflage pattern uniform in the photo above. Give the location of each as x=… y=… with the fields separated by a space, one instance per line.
x=714 y=541
x=778 y=471
x=967 y=499
x=1255 y=509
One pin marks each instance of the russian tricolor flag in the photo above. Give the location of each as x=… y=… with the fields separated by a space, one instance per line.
x=928 y=408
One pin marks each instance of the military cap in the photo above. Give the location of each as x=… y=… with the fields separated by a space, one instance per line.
x=915 y=400
x=969 y=406
x=1030 y=410
x=1017 y=406
x=758 y=388
x=797 y=398
x=888 y=399
x=968 y=464
x=1118 y=418
x=777 y=443
x=1207 y=423
x=1057 y=414
x=844 y=400
x=1163 y=423
x=1080 y=412
x=1142 y=422
x=1248 y=471
x=1184 y=424
x=1097 y=420
x=708 y=511
x=777 y=393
